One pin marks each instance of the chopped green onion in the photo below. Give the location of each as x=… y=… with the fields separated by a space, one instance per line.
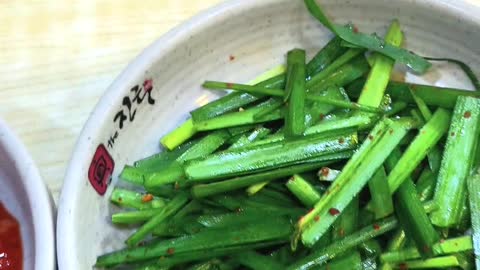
x=438 y=262
x=241 y=161
x=173 y=206
x=256 y=261
x=334 y=66
x=205 y=190
x=320 y=257
x=263 y=231
x=295 y=94
x=474 y=199
x=382 y=203
x=428 y=137
x=279 y=93
x=347 y=222
x=127 y=198
x=374 y=88
x=356 y=173
x=303 y=190
x=446 y=247
x=457 y=162
x=431 y=95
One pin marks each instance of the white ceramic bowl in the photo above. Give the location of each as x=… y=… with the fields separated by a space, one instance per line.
x=25 y=196
x=257 y=34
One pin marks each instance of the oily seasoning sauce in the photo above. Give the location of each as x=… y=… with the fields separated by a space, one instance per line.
x=10 y=242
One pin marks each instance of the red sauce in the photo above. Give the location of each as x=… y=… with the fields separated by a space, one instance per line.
x=10 y=242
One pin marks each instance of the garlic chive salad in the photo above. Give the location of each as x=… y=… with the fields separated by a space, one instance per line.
x=327 y=164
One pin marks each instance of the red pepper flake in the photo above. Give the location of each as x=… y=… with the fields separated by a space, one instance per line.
x=148 y=85
x=170 y=251
x=452 y=134
x=316 y=218
x=370 y=137
x=321 y=116
x=147 y=198
x=467 y=114
x=229 y=85
x=231 y=57
x=403 y=266
x=333 y=211
x=324 y=171
x=341 y=140
x=376 y=227
x=355 y=29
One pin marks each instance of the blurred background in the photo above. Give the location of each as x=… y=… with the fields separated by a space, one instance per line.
x=58 y=57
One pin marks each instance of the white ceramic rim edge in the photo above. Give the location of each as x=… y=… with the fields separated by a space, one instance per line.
x=134 y=70
x=38 y=194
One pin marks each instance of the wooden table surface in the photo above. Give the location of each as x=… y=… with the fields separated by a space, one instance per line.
x=58 y=57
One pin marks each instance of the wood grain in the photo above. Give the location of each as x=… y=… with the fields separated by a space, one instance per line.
x=58 y=57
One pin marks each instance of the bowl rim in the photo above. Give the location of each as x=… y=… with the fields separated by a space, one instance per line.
x=38 y=198
x=134 y=70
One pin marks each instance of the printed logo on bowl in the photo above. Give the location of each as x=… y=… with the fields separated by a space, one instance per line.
x=101 y=169
x=102 y=165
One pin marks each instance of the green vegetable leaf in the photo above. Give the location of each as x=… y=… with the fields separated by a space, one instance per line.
x=374 y=43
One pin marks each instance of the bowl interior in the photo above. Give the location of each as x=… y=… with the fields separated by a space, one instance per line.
x=26 y=198
x=13 y=197
x=257 y=34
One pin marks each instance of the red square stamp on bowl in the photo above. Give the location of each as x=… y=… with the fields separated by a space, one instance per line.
x=100 y=170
